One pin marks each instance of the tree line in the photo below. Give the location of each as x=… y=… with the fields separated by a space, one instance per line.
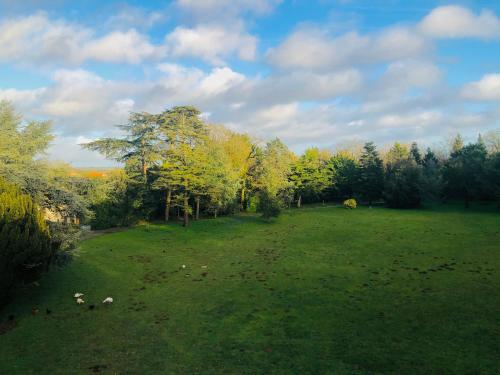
x=176 y=166
x=175 y=163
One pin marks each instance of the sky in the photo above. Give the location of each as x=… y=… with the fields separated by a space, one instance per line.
x=323 y=73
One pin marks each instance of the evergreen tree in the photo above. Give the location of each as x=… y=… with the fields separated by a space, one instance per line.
x=139 y=149
x=464 y=173
x=492 y=170
x=343 y=171
x=25 y=244
x=432 y=181
x=185 y=157
x=371 y=174
x=415 y=153
x=403 y=180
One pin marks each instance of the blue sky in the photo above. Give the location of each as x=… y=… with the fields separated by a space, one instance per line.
x=321 y=73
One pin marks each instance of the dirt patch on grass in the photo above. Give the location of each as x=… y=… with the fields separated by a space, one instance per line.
x=95 y=233
x=7 y=326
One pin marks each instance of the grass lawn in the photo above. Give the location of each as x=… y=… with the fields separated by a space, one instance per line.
x=318 y=291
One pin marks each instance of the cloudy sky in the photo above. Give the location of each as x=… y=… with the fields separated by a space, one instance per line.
x=312 y=72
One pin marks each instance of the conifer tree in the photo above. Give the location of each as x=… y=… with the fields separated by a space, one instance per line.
x=25 y=244
x=185 y=157
x=415 y=153
x=371 y=173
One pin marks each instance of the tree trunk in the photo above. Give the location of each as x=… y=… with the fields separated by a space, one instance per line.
x=168 y=199
x=186 y=210
x=299 y=201
x=242 y=198
x=215 y=214
x=197 y=199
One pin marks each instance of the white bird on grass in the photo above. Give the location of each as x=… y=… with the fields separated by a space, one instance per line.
x=80 y=301
x=78 y=295
x=183 y=266
x=108 y=300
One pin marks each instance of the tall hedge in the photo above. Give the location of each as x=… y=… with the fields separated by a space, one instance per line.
x=25 y=245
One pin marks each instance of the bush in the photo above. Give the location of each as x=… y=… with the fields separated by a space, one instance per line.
x=26 y=249
x=269 y=206
x=64 y=239
x=350 y=203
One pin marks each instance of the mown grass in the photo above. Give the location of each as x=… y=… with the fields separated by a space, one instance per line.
x=318 y=291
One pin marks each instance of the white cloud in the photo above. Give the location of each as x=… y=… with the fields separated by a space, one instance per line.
x=458 y=22
x=211 y=43
x=22 y=98
x=278 y=114
x=412 y=73
x=226 y=8
x=415 y=120
x=128 y=16
x=487 y=88
x=315 y=49
x=401 y=77
x=36 y=40
x=181 y=85
x=129 y=46
x=75 y=93
x=298 y=86
x=220 y=80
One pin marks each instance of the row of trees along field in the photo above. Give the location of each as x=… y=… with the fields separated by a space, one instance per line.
x=177 y=166
x=191 y=167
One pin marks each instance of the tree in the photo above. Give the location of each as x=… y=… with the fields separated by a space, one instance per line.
x=20 y=143
x=415 y=153
x=310 y=174
x=457 y=143
x=492 y=141
x=403 y=179
x=22 y=146
x=25 y=244
x=139 y=149
x=344 y=175
x=371 y=173
x=109 y=199
x=492 y=170
x=432 y=180
x=464 y=173
x=271 y=173
x=185 y=157
x=239 y=152
x=269 y=206
x=229 y=159
x=397 y=152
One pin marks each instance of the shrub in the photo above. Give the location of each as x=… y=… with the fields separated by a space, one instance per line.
x=350 y=203
x=269 y=206
x=64 y=239
x=26 y=249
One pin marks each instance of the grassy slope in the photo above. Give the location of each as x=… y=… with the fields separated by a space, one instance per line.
x=321 y=290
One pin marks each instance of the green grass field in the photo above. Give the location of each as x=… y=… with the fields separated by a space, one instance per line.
x=318 y=291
